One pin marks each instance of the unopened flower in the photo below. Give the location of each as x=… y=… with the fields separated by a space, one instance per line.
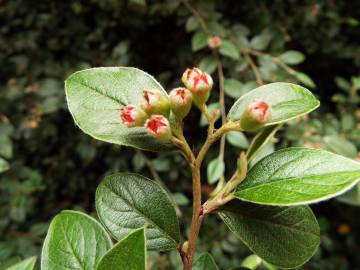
x=159 y=127
x=132 y=116
x=180 y=102
x=199 y=83
x=155 y=102
x=256 y=115
x=214 y=42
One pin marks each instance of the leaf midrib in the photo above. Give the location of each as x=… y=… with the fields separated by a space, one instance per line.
x=270 y=222
x=297 y=177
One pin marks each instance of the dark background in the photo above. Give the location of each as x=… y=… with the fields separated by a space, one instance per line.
x=55 y=166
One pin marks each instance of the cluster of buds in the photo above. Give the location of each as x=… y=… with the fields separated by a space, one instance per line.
x=155 y=107
x=152 y=113
x=255 y=115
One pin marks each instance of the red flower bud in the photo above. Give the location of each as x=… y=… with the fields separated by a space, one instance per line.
x=158 y=127
x=214 y=42
x=256 y=115
x=155 y=102
x=180 y=102
x=132 y=116
x=199 y=83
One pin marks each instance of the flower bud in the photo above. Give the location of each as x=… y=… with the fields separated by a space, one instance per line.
x=199 y=83
x=256 y=115
x=214 y=42
x=158 y=127
x=180 y=102
x=132 y=116
x=155 y=102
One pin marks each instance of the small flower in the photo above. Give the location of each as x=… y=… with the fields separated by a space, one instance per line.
x=214 y=42
x=158 y=127
x=155 y=102
x=132 y=116
x=199 y=83
x=180 y=102
x=256 y=115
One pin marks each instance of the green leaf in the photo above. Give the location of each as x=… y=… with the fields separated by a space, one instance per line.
x=292 y=57
x=199 y=41
x=295 y=176
x=287 y=101
x=95 y=97
x=237 y=139
x=27 y=264
x=340 y=146
x=233 y=88
x=305 y=79
x=229 y=49
x=205 y=262
x=6 y=149
x=260 y=42
x=284 y=236
x=260 y=140
x=4 y=165
x=215 y=170
x=127 y=201
x=128 y=254
x=74 y=241
x=208 y=64
x=216 y=28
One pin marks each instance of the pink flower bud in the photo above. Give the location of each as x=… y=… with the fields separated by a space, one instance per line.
x=214 y=42
x=155 y=102
x=132 y=116
x=199 y=83
x=158 y=127
x=256 y=115
x=180 y=102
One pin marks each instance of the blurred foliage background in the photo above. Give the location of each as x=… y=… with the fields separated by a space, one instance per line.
x=54 y=166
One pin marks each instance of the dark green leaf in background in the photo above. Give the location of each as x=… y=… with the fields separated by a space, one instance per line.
x=4 y=165
x=284 y=236
x=205 y=262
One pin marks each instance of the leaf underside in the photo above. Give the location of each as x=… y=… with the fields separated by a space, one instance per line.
x=95 y=97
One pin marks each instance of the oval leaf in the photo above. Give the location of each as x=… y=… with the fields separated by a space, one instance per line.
x=205 y=262
x=129 y=253
x=292 y=57
x=287 y=101
x=74 y=241
x=284 y=236
x=295 y=176
x=27 y=264
x=95 y=97
x=237 y=139
x=126 y=201
x=215 y=170
x=4 y=165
